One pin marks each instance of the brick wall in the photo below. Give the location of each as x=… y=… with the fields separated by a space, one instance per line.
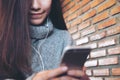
x=96 y=23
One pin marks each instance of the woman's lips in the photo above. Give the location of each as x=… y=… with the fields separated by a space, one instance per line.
x=36 y=15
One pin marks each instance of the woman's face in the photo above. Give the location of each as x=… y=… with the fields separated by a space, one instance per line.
x=39 y=11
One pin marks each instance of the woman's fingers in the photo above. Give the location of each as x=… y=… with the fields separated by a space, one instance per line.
x=52 y=74
x=76 y=73
x=47 y=75
x=56 y=72
x=80 y=74
x=65 y=78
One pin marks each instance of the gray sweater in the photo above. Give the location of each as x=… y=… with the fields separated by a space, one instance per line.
x=48 y=43
x=50 y=50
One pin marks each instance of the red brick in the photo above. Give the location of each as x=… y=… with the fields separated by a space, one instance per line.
x=91 y=63
x=91 y=45
x=86 y=8
x=79 y=12
x=116 y=71
x=84 y=25
x=89 y=15
x=74 y=9
x=96 y=3
x=77 y=1
x=96 y=78
x=115 y=50
x=76 y=35
x=68 y=25
x=72 y=16
x=115 y=10
x=88 y=31
x=106 y=5
x=112 y=78
x=107 y=23
x=104 y=41
x=66 y=21
x=101 y=72
x=113 y=31
x=67 y=7
x=100 y=17
x=84 y=2
x=89 y=72
x=66 y=14
x=107 y=42
x=108 y=61
x=72 y=30
x=65 y=2
x=98 y=53
x=98 y=36
x=82 y=41
x=76 y=22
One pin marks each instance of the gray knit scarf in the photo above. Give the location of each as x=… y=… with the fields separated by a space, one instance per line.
x=42 y=31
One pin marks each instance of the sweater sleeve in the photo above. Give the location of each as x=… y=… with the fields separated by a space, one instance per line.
x=68 y=41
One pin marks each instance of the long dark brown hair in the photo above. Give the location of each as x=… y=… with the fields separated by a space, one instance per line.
x=14 y=36
x=56 y=15
x=15 y=39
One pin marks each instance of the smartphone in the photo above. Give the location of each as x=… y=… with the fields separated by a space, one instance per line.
x=74 y=57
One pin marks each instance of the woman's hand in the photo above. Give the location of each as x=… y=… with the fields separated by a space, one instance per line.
x=50 y=74
x=80 y=74
x=74 y=75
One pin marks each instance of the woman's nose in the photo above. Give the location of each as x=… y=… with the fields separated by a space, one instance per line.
x=35 y=5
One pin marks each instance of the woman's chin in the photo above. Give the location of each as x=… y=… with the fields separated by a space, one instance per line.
x=36 y=22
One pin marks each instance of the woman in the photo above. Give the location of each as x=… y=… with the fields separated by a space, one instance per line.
x=31 y=41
